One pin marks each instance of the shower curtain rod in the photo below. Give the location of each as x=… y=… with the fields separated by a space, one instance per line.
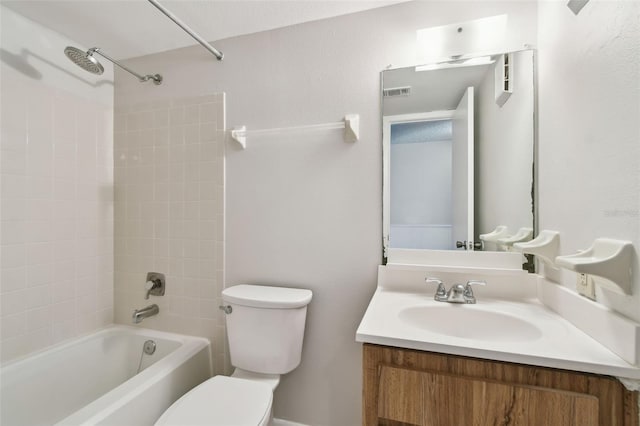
x=219 y=55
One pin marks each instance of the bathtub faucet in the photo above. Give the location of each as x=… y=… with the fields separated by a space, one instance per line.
x=140 y=314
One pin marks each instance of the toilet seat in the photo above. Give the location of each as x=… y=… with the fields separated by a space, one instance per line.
x=221 y=400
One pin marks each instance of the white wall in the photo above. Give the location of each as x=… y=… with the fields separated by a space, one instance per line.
x=57 y=191
x=504 y=151
x=305 y=210
x=589 y=179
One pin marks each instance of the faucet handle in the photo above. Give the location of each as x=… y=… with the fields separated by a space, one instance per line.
x=150 y=285
x=154 y=285
x=441 y=292
x=467 y=288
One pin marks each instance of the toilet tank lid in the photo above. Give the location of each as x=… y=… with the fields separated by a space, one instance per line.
x=261 y=296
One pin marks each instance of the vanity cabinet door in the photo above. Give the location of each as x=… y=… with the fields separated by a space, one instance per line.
x=401 y=396
x=432 y=399
x=451 y=400
x=404 y=387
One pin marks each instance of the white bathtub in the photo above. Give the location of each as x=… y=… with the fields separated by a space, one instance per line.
x=93 y=380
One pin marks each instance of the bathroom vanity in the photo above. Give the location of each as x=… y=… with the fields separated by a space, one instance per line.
x=459 y=144
x=506 y=360
x=410 y=387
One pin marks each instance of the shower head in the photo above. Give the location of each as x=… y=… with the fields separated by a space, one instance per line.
x=84 y=60
x=88 y=62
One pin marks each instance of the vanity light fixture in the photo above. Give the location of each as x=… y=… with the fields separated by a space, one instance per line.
x=480 y=36
x=457 y=62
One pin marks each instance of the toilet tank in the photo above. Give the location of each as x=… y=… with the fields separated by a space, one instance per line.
x=266 y=327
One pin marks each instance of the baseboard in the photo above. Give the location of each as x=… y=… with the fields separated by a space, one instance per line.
x=280 y=422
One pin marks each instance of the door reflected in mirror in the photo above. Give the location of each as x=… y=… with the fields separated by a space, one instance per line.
x=458 y=149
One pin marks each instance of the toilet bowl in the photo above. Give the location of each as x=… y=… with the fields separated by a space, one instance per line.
x=269 y=318
x=222 y=400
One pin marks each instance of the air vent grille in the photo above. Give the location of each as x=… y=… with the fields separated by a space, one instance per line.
x=396 y=91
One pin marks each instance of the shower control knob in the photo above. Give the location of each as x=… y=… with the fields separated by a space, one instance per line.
x=151 y=285
x=154 y=285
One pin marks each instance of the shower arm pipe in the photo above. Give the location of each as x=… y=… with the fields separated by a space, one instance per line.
x=157 y=78
x=219 y=55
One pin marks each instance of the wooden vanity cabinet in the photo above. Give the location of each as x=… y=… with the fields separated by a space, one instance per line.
x=409 y=387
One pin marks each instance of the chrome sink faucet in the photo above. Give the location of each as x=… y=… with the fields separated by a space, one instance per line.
x=458 y=293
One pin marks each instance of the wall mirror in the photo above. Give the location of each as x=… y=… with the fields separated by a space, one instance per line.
x=458 y=153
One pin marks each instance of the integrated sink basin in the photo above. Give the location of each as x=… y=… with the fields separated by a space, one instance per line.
x=509 y=321
x=469 y=322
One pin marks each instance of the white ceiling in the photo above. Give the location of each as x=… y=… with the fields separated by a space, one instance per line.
x=433 y=90
x=130 y=28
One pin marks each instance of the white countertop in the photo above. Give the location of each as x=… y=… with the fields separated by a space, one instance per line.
x=559 y=344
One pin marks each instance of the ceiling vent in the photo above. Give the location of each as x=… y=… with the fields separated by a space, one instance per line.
x=396 y=91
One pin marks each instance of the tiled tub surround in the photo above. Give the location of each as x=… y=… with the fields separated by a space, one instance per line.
x=57 y=219
x=169 y=214
x=56 y=198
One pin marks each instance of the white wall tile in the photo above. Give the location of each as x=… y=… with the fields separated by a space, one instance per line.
x=56 y=198
x=14 y=347
x=12 y=256
x=12 y=210
x=39 y=159
x=62 y=291
x=13 y=186
x=40 y=113
x=38 y=231
x=176 y=116
x=36 y=297
x=166 y=233
x=39 y=274
x=39 y=209
x=13 y=303
x=13 y=326
x=161 y=117
x=191 y=133
x=63 y=330
x=38 y=318
x=161 y=137
x=208 y=132
x=64 y=311
x=208 y=112
x=12 y=279
x=13 y=159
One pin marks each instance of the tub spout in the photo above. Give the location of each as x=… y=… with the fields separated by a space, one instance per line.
x=140 y=314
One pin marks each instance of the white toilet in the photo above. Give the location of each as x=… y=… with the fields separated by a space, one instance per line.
x=265 y=327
